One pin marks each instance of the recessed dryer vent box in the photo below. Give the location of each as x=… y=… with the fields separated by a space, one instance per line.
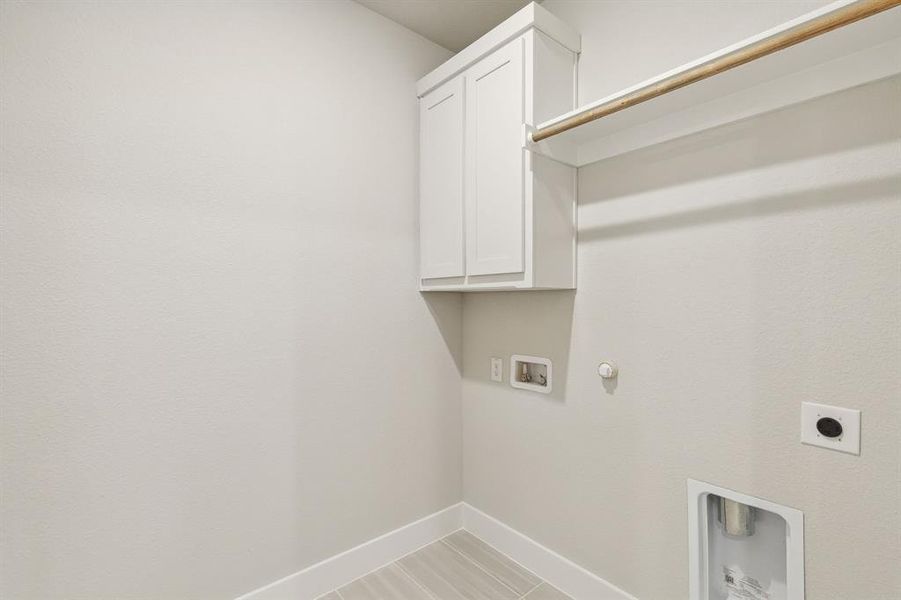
x=531 y=373
x=743 y=547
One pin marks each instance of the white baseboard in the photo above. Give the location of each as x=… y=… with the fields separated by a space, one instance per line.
x=560 y=572
x=334 y=572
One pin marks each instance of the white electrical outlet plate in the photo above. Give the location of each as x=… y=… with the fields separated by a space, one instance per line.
x=497 y=369
x=849 y=439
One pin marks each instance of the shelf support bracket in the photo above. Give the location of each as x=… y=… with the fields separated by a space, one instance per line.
x=560 y=150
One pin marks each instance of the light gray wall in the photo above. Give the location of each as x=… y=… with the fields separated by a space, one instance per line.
x=732 y=274
x=216 y=368
x=627 y=41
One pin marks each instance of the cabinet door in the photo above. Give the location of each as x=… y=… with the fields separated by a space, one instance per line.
x=494 y=163
x=441 y=181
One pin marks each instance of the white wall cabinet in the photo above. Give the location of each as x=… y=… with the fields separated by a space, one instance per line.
x=492 y=214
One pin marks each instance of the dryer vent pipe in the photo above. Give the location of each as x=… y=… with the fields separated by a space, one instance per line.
x=736 y=518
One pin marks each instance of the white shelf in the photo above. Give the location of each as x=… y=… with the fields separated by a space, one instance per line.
x=861 y=52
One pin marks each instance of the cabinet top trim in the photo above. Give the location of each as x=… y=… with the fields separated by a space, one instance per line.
x=529 y=17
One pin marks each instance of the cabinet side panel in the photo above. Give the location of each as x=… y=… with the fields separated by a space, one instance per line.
x=553 y=77
x=554 y=214
x=553 y=185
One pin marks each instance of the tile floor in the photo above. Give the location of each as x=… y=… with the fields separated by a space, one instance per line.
x=458 y=567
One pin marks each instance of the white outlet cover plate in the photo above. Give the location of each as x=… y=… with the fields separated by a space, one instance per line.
x=497 y=369
x=848 y=441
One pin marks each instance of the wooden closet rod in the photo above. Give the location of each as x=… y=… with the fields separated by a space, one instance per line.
x=795 y=35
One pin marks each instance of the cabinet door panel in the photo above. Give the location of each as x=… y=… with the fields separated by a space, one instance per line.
x=494 y=163
x=441 y=182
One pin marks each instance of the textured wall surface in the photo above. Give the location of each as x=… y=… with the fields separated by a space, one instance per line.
x=625 y=42
x=216 y=368
x=732 y=275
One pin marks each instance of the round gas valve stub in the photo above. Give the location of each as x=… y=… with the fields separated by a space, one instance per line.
x=607 y=370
